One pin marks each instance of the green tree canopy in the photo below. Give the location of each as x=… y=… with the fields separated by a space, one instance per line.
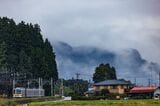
x=104 y=72
x=24 y=51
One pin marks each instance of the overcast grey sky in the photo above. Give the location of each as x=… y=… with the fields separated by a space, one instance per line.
x=109 y=24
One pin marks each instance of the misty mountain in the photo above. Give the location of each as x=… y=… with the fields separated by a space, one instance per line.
x=128 y=63
x=83 y=55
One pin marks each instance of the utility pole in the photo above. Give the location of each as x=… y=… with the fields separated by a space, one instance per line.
x=77 y=75
x=77 y=85
x=62 y=93
x=149 y=82
x=159 y=79
x=54 y=92
x=13 y=82
x=28 y=84
x=155 y=79
x=39 y=86
x=135 y=81
x=51 y=86
x=151 y=79
x=41 y=83
x=89 y=84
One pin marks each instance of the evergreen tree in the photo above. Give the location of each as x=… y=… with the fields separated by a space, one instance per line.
x=24 y=65
x=50 y=66
x=104 y=72
x=3 y=55
x=24 y=52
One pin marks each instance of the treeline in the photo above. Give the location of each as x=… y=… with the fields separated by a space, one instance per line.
x=71 y=87
x=23 y=51
x=75 y=87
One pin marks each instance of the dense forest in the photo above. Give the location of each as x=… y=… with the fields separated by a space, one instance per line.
x=24 y=53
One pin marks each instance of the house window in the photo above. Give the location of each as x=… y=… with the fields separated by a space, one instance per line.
x=114 y=87
x=122 y=87
x=97 y=87
x=105 y=87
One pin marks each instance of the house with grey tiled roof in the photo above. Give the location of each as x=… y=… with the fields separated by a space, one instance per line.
x=113 y=86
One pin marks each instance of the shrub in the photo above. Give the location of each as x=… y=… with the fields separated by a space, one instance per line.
x=107 y=96
x=88 y=98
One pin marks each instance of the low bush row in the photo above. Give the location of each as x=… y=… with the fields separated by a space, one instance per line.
x=108 y=96
x=38 y=99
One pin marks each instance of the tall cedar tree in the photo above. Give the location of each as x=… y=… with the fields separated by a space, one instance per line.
x=104 y=72
x=23 y=51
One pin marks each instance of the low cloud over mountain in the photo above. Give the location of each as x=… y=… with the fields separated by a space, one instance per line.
x=128 y=63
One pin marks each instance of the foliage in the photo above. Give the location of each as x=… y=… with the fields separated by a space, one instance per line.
x=78 y=86
x=100 y=96
x=68 y=91
x=23 y=51
x=37 y=99
x=141 y=96
x=104 y=72
x=88 y=98
x=24 y=54
x=71 y=87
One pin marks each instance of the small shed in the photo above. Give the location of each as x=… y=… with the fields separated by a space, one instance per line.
x=143 y=89
x=157 y=93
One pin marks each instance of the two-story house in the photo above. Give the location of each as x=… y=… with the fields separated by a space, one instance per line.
x=113 y=86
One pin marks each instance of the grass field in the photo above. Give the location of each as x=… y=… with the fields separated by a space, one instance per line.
x=4 y=102
x=20 y=101
x=146 y=102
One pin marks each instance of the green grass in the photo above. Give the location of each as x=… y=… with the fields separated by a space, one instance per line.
x=20 y=101
x=5 y=102
x=146 y=102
